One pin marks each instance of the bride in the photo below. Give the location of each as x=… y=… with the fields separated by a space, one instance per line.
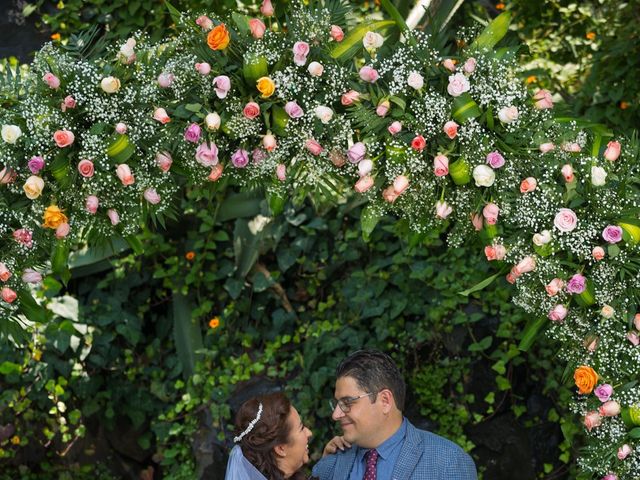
x=272 y=443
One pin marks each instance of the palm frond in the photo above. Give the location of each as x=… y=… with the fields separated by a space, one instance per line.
x=366 y=120
x=338 y=10
x=11 y=83
x=87 y=45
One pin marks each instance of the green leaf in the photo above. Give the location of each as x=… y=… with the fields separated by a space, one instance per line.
x=634 y=432
x=187 y=334
x=481 y=285
x=59 y=260
x=31 y=309
x=7 y=368
x=465 y=108
x=173 y=11
x=493 y=33
x=368 y=221
x=135 y=243
x=193 y=107
x=353 y=41
x=242 y=21
x=246 y=204
x=481 y=345
x=531 y=332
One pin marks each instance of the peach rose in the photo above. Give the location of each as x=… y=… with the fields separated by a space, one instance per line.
x=528 y=185
x=5 y=274
x=613 y=151
x=364 y=184
x=592 y=420
x=85 y=167
x=451 y=129
x=8 y=295
x=124 y=174
x=63 y=138
x=33 y=187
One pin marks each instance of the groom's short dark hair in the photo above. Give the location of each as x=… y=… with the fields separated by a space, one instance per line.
x=374 y=371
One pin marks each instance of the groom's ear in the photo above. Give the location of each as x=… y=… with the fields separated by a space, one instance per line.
x=387 y=400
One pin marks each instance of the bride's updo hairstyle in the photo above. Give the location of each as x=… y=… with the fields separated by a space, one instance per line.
x=269 y=430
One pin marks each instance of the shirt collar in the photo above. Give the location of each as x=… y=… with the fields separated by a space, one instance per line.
x=386 y=447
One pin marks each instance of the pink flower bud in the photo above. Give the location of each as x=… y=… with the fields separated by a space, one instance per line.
x=495 y=252
x=165 y=79
x=443 y=209
x=267 y=8
x=451 y=129
x=203 y=68
x=528 y=185
x=383 y=108
x=490 y=212
x=613 y=151
x=113 y=216
x=449 y=65
x=400 y=184
x=357 y=152
x=389 y=194
x=395 y=127
x=624 y=451
x=8 y=295
x=5 y=274
x=350 y=98
x=364 y=167
x=364 y=184
x=571 y=147
x=257 y=28
x=567 y=173
x=633 y=338
x=269 y=142
x=559 y=313
x=543 y=100
x=62 y=231
x=314 y=147
x=164 y=160
x=336 y=33
x=281 y=172
x=68 y=103
x=51 y=80
x=216 y=173
x=91 y=204
x=609 y=409
x=160 y=114
x=478 y=221
x=511 y=278
x=151 y=196
x=554 y=287
x=636 y=321
x=592 y=420
x=470 y=65
x=31 y=276
x=527 y=264
x=124 y=174
x=204 y=22
x=547 y=147
x=121 y=128
x=368 y=74
x=597 y=253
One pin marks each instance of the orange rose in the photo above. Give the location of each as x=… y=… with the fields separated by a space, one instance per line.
x=53 y=217
x=586 y=379
x=218 y=38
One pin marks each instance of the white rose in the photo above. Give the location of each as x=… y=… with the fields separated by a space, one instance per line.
x=542 y=238
x=415 y=80
x=110 y=84
x=127 y=54
x=11 y=133
x=325 y=114
x=372 y=40
x=508 y=114
x=484 y=176
x=33 y=187
x=458 y=84
x=315 y=69
x=364 y=167
x=213 y=121
x=598 y=176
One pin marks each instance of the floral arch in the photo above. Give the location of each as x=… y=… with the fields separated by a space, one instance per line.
x=94 y=144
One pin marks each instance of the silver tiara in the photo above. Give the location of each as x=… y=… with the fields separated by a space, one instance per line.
x=252 y=424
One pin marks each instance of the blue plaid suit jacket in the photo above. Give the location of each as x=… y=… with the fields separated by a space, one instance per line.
x=424 y=456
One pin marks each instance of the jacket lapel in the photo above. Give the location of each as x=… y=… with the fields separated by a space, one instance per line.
x=409 y=454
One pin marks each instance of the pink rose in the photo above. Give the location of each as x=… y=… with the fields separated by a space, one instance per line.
x=458 y=84
x=204 y=22
x=547 y=147
x=35 y=164
x=269 y=142
x=527 y=264
x=567 y=173
x=203 y=68
x=8 y=295
x=559 y=313
x=63 y=138
x=357 y=152
x=592 y=420
x=597 y=253
x=336 y=33
x=160 y=114
x=85 y=167
x=350 y=98
x=364 y=184
x=449 y=65
x=554 y=287
x=613 y=151
x=164 y=161
x=165 y=79
x=68 y=103
x=293 y=110
x=418 y=143
x=368 y=74
x=151 y=196
x=121 y=128
x=51 y=80
x=313 y=146
x=257 y=28
x=451 y=129
x=610 y=476
x=395 y=127
x=565 y=220
x=571 y=147
x=258 y=155
x=490 y=213
x=113 y=216
x=91 y=204
x=267 y=8
x=400 y=184
x=543 y=100
x=281 y=172
x=389 y=194
x=300 y=52
x=495 y=252
x=124 y=174
x=383 y=108
x=440 y=166
x=315 y=69
x=528 y=185
x=603 y=392
x=207 y=154
x=364 y=167
x=23 y=237
x=222 y=85
x=470 y=65
x=192 y=133
x=251 y=110
x=633 y=338
x=62 y=231
x=624 y=451
x=5 y=274
x=240 y=158
x=29 y=275
x=495 y=160
x=477 y=221
x=443 y=209
x=216 y=173
x=511 y=278
x=612 y=234
x=577 y=284
x=636 y=321
x=609 y=409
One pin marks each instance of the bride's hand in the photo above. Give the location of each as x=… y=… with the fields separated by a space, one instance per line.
x=334 y=444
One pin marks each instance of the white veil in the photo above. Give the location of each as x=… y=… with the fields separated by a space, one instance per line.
x=239 y=468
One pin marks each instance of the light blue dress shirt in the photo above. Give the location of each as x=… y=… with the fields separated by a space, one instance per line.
x=388 y=453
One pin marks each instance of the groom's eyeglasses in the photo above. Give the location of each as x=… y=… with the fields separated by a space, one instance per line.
x=346 y=402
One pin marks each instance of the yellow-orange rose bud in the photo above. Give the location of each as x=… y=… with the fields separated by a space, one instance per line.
x=53 y=217
x=585 y=378
x=265 y=86
x=218 y=38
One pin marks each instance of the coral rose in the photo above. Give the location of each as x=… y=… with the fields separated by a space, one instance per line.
x=63 y=138
x=585 y=378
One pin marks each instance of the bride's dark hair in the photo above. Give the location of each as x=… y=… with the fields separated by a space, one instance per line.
x=272 y=429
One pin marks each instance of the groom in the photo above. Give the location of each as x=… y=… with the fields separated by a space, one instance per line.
x=370 y=395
